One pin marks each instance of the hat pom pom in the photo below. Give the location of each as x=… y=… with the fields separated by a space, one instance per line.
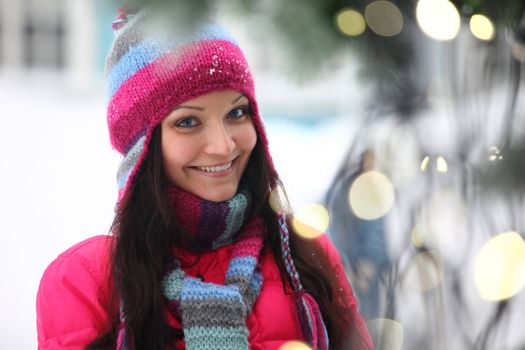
x=121 y=19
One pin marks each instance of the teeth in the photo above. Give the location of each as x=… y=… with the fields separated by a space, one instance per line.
x=214 y=169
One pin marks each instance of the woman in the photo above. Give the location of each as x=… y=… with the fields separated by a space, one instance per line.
x=197 y=259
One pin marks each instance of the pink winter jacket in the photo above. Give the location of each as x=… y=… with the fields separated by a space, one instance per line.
x=73 y=299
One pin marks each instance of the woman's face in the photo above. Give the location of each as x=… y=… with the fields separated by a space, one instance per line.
x=207 y=142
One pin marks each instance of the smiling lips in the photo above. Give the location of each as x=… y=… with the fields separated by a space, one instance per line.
x=217 y=169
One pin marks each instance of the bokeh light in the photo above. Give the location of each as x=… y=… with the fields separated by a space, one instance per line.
x=314 y=215
x=276 y=201
x=305 y=231
x=294 y=345
x=311 y=220
x=417 y=237
x=350 y=22
x=384 y=18
x=442 y=165
x=482 y=27
x=518 y=51
x=386 y=334
x=424 y=272
x=499 y=268
x=424 y=163
x=495 y=154
x=439 y=19
x=371 y=195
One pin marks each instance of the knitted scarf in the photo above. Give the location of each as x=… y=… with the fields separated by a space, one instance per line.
x=214 y=316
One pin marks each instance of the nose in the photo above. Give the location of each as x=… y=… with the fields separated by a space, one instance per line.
x=219 y=140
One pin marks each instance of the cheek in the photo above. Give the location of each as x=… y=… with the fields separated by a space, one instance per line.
x=175 y=153
x=249 y=138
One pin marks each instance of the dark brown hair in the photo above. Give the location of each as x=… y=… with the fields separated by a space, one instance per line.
x=145 y=230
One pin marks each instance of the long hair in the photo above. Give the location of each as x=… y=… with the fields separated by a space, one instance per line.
x=145 y=230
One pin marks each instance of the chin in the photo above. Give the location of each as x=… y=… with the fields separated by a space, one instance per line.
x=218 y=195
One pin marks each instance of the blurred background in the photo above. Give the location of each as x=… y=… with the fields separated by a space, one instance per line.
x=396 y=126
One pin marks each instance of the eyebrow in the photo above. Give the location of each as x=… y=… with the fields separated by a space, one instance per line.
x=198 y=108
x=238 y=98
x=189 y=107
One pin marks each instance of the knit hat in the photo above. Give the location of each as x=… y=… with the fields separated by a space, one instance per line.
x=152 y=67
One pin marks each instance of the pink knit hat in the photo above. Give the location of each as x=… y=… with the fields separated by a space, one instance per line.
x=151 y=69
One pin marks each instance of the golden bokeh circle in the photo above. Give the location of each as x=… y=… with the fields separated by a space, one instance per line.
x=314 y=215
x=371 y=195
x=350 y=22
x=482 y=27
x=304 y=230
x=499 y=268
x=384 y=18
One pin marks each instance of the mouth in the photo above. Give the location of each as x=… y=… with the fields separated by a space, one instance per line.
x=214 y=169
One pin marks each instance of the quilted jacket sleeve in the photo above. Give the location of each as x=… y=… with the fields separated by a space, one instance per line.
x=72 y=300
x=360 y=338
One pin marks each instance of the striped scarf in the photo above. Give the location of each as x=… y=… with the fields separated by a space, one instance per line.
x=214 y=316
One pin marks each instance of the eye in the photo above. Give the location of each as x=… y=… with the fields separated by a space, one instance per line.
x=239 y=112
x=187 y=122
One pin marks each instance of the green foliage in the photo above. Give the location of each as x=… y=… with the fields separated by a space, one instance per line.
x=307 y=27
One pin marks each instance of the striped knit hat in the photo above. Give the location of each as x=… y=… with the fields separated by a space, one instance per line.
x=151 y=68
